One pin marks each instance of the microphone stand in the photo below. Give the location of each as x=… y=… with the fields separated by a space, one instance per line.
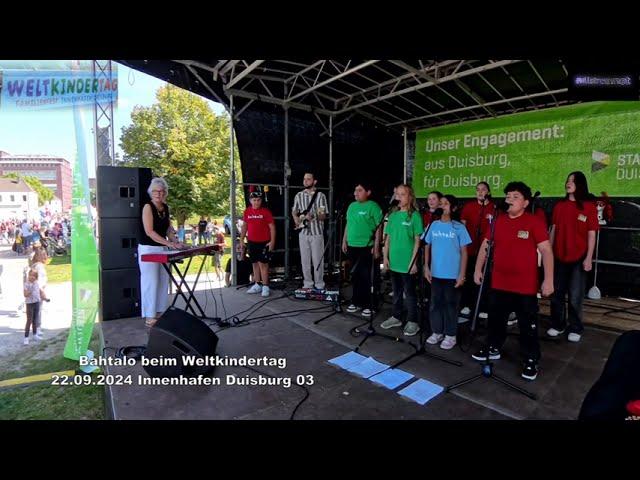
x=370 y=330
x=486 y=366
x=421 y=350
x=337 y=304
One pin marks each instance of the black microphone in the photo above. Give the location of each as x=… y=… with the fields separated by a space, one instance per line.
x=537 y=194
x=394 y=200
x=504 y=206
x=438 y=212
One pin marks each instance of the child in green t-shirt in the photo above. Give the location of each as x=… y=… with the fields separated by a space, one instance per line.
x=361 y=242
x=402 y=241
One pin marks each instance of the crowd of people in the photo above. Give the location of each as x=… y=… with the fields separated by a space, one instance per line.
x=51 y=231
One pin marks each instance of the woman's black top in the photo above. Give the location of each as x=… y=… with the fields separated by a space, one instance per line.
x=160 y=225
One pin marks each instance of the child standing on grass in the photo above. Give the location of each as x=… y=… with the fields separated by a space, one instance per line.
x=33 y=295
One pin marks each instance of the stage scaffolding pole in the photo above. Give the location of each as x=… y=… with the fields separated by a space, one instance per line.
x=287 y=174
x=404 y=174
x=232 y=196
x=332 y=216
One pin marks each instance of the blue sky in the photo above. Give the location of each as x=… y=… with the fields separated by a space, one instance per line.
x=51 y=132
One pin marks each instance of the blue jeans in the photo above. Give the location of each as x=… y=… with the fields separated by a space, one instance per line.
x=404 y=283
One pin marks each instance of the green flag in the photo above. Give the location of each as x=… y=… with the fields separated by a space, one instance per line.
x=84 y=256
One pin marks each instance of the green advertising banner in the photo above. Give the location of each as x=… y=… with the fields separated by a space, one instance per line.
x=540 y=148
x=85 y=262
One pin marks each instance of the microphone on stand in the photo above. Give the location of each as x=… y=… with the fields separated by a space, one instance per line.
x=437 y=214
x=504 y=206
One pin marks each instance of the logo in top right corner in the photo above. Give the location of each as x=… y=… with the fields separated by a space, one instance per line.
x=599 y=161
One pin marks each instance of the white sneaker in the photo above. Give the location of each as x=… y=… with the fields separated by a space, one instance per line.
x=574 y=337
x=434 y=338
x=448 y=343
x=390 y=323
x=512 y=319
x=265 y=291
x=38 y=336
x=483 y=315
x=352 y=308
x=256 y=288
x=465 y=311
x=366 y=312
x=411 y=328
x=26 y=341
x=552 y=332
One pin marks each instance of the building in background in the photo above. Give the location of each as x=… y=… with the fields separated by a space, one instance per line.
x=53 y=172
x=18 y=200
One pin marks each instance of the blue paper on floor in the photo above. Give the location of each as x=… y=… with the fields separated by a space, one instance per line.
x=368 y=368
x=348 y=360
x=391 y=378
x=421 y=391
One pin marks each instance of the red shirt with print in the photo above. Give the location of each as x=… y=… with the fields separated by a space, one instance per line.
x=473 y=214
x=258 y=221
x=572 y=228
x=515 y=260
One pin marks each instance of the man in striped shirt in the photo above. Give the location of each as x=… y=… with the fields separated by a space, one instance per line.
x=310 y=226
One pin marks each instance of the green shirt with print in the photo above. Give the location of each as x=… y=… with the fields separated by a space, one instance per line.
x=362 y=219
x=402 y=231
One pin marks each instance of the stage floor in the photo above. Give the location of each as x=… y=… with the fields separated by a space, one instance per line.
x=567 y=371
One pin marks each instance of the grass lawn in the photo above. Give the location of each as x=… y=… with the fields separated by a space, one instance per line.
x=59 y=269
x=197 y=261
x=43 y=401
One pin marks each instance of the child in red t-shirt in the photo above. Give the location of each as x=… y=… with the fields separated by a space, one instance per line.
x=260 y=231
x=574 y=224
x=433 y=203
x=517 y=237
x=475 y=216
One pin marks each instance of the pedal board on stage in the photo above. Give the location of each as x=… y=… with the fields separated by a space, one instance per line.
x=321 y=295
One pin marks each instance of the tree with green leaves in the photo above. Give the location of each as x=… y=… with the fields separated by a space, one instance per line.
x=44 y=194
x=181 y=139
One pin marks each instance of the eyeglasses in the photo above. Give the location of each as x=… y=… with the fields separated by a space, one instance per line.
x=157 y=191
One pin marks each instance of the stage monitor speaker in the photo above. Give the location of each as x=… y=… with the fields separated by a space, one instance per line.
x=175 y=335
x=120 y=293
x=122 y=191
x=119 y=238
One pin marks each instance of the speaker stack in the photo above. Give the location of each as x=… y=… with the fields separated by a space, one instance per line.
x=121 y=194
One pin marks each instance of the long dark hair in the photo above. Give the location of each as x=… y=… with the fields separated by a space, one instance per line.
x=455 y=211
x=582 y=188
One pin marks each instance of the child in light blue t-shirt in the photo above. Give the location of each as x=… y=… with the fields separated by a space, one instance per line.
x=446 y=246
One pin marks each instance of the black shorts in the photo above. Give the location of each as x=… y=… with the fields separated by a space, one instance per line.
x=258 y=252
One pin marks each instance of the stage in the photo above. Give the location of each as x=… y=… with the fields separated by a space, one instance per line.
x=567 y=370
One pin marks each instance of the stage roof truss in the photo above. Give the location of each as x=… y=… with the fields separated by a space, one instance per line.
x=401 y=94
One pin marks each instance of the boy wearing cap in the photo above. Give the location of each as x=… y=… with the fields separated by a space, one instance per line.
x=517 y=237
x=260 y=231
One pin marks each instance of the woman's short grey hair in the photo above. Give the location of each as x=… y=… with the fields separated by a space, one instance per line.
x=158 y=182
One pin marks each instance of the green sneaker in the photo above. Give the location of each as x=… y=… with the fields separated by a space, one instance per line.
x=390 y=323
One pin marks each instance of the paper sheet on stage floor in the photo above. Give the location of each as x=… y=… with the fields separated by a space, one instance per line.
x=391 y=378
x=421 y=391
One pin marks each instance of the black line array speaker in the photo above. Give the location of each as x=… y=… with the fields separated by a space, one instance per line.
x=121 y=194
x=119 y=238
x=122 y=191
x=178 y=334
x=119 y=293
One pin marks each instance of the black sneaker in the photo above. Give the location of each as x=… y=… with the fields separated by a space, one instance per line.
x=481 y=355
x=530 y=371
